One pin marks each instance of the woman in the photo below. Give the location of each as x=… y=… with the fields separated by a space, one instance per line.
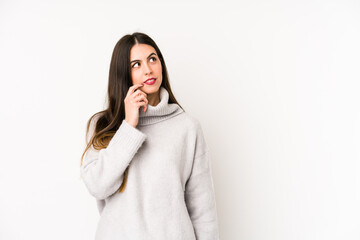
x=146 y=161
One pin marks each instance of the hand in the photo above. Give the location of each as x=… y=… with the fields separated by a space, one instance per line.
x=135 y=98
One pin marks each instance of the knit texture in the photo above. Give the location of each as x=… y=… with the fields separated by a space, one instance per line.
x=169 y=192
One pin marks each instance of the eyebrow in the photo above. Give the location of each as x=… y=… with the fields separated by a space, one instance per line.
x=147 y=57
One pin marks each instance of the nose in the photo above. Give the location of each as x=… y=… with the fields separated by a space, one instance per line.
x=147 y=69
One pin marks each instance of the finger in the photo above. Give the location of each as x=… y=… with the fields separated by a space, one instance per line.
x=139 y=104
x=147 y=102
x=146 y=106
x=134 y=87
x=144 y=102
x=138 y=92
x=140 y=98
x=131 y=96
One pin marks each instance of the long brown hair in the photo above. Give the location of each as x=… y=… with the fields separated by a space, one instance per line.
x=109 y=120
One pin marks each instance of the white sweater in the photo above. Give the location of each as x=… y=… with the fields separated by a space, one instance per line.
x=169 y=193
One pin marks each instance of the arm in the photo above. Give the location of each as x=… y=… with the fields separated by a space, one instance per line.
x=103 y=170
x=200 y=194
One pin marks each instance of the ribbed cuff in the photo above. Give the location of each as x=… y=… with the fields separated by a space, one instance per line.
x=128 y=137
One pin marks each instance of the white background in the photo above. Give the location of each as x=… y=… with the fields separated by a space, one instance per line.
x=275 y=85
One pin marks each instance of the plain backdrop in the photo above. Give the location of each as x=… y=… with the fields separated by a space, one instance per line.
x=275 y=85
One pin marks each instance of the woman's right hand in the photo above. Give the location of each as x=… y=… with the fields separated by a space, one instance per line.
x=135 y=98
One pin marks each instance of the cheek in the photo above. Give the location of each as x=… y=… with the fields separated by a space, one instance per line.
x=159 y=69
x=135 y=77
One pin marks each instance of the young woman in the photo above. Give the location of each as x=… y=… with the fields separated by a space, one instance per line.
x=146 y=162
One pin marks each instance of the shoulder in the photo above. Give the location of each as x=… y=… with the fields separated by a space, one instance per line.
x=192 y=127
x=189 y=121
x=195 y=133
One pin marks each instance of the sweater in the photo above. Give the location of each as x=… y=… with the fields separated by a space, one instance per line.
x=169 y=193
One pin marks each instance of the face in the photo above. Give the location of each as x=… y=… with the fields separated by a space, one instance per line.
x=145 y=64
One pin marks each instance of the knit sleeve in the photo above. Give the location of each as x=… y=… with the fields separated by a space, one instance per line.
x=103 y=170
x=200 y=194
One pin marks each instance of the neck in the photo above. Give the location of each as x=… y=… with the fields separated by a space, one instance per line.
x=160 y=111
x=154 y=98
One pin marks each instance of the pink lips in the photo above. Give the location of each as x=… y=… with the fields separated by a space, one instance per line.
x=151 y=81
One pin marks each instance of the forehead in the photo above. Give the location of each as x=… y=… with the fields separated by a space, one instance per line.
x=141 y=51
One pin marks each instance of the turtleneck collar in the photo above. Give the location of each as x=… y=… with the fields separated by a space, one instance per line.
x=162 y=111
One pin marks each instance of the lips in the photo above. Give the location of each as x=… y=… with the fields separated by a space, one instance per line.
x=149 y=79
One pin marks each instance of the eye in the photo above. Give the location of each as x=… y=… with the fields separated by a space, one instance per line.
x=153 y=58
x=135 y=64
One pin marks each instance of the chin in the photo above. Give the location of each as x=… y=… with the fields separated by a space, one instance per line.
x=150 y=89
